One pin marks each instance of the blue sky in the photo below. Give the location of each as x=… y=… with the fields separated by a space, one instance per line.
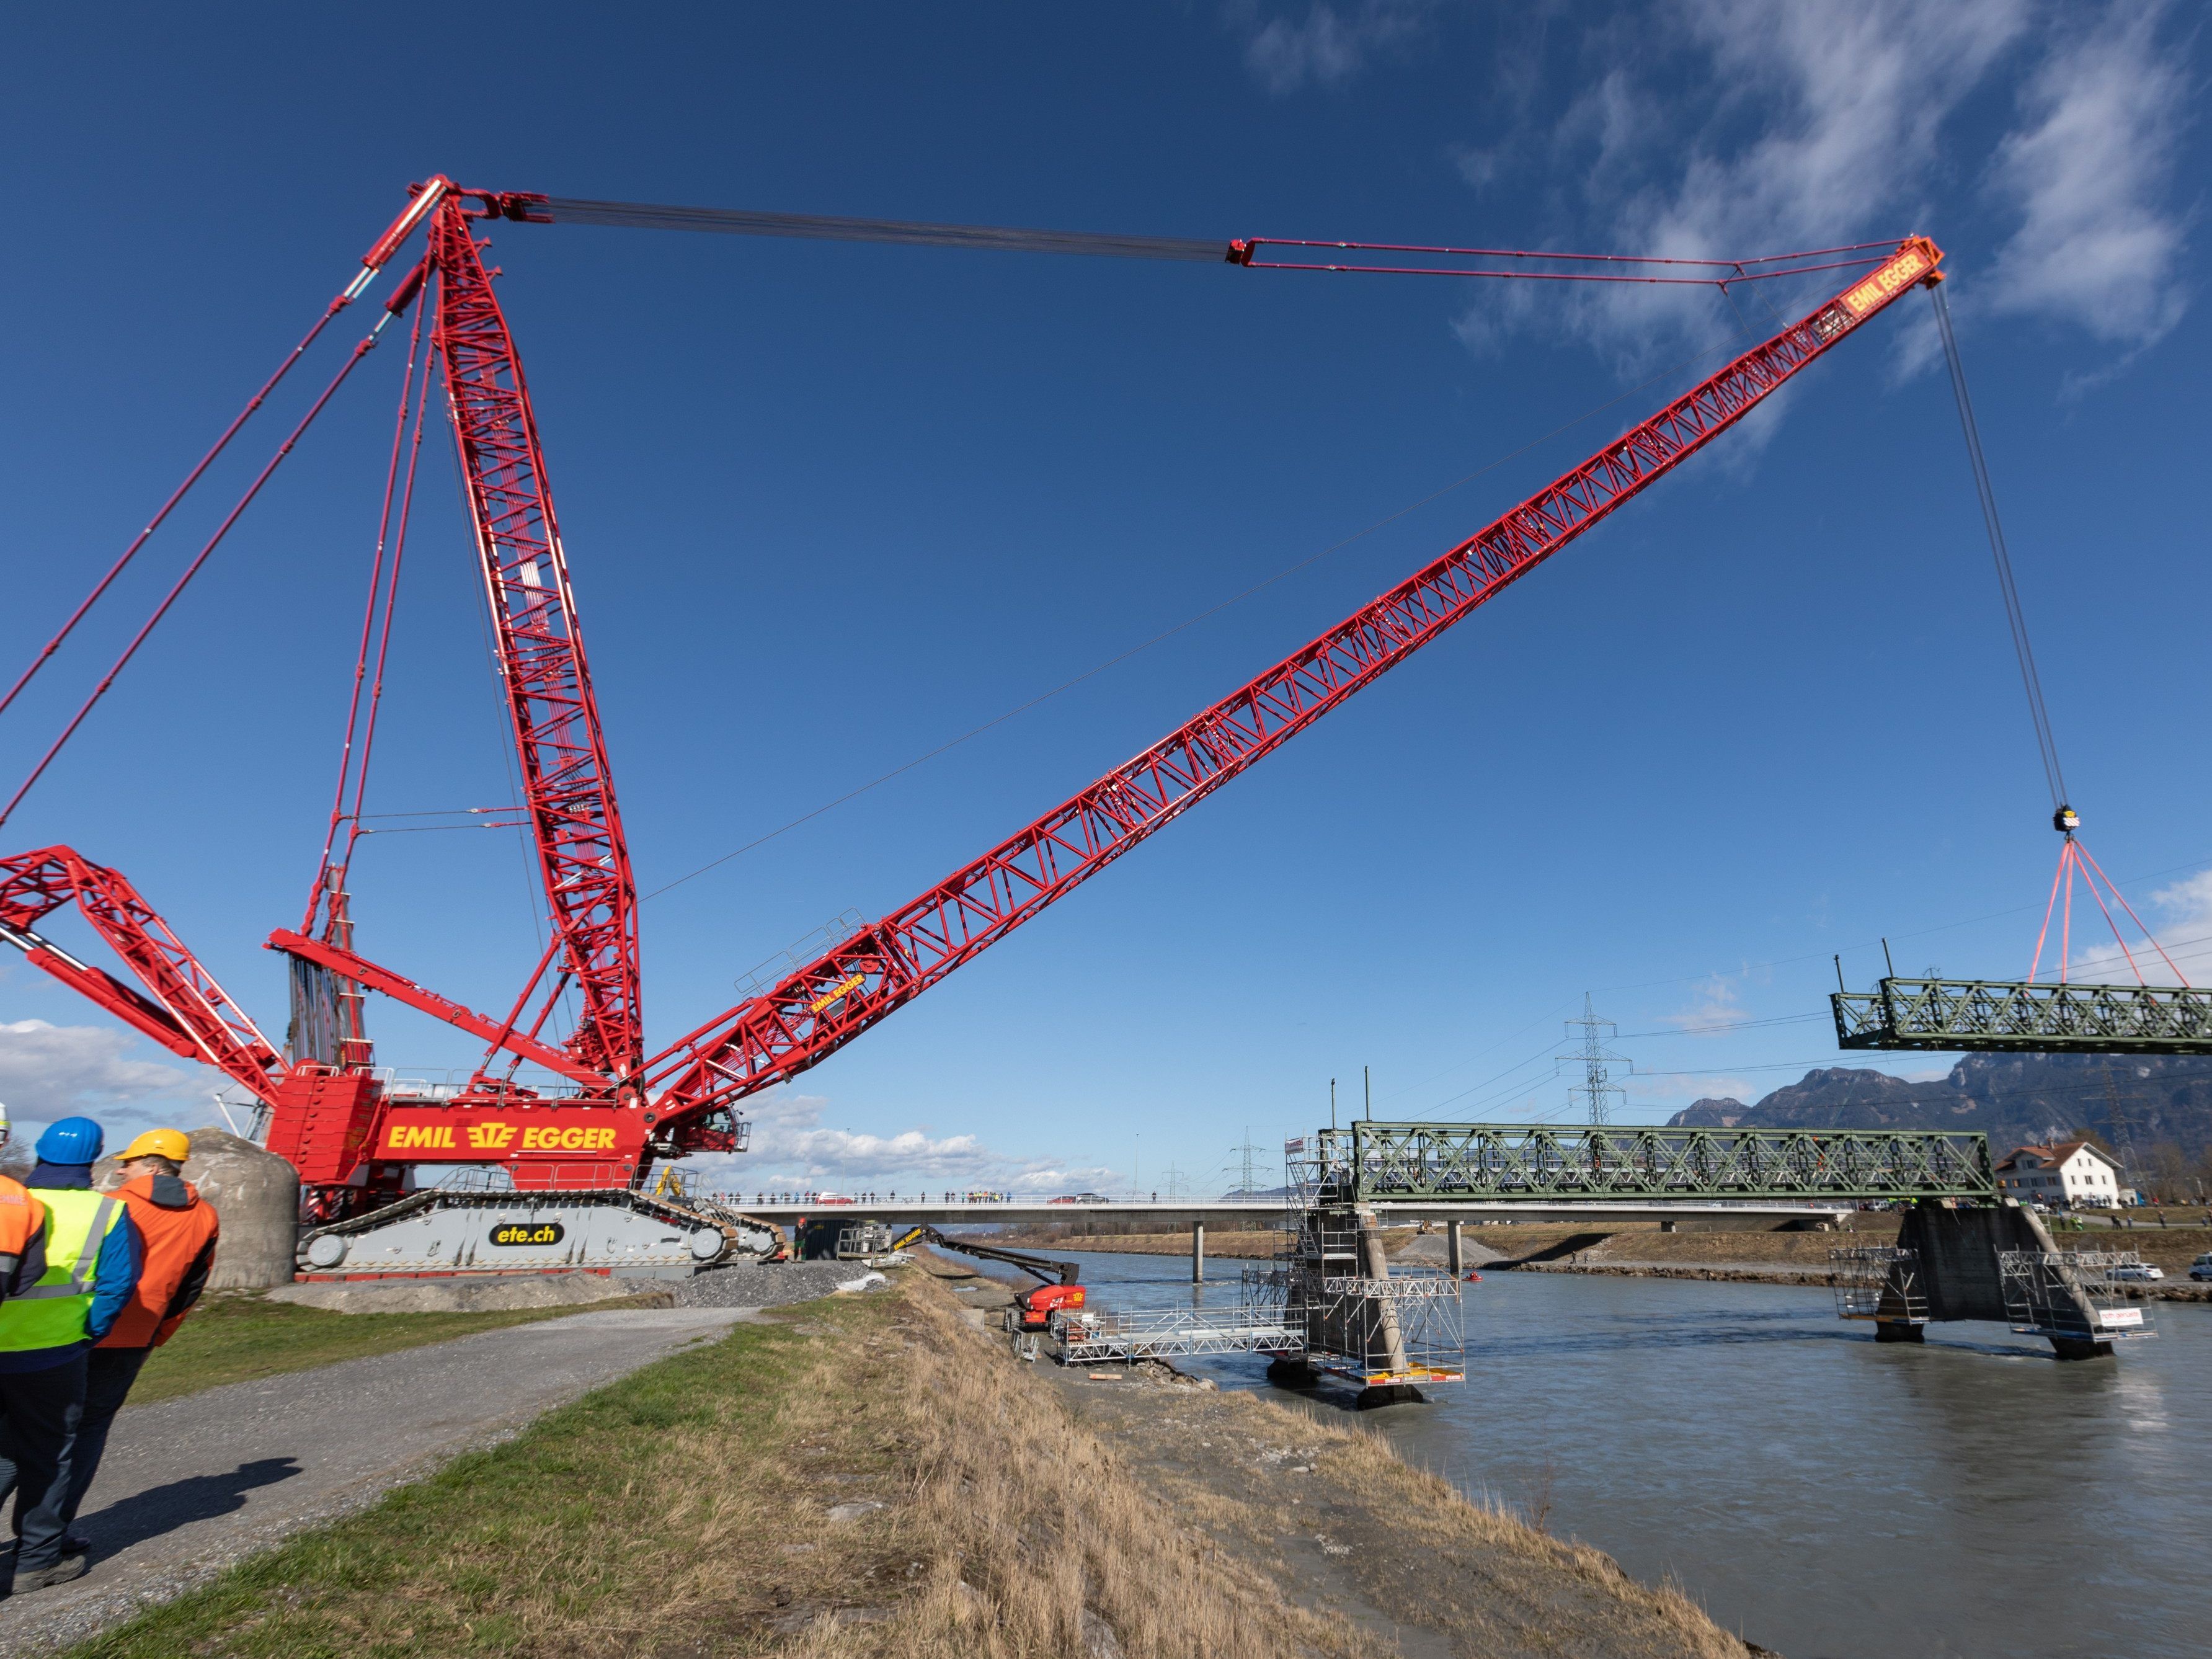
x=829 y=507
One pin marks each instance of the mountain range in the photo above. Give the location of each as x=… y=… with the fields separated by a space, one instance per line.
x=2164 y=1103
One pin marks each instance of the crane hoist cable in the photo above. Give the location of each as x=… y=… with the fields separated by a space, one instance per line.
x=2073 y=859
x=2045 y=743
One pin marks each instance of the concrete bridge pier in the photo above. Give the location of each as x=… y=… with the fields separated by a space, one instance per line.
x=1957 y=1275
x=1455 y=1250
x=1198 y=1253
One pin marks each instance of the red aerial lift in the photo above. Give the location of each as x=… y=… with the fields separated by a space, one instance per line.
x=575 y=1155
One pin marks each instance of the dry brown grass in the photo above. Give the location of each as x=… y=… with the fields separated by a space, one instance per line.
x=1344 y=1524
x=1025 y=1535
x=980 y=1512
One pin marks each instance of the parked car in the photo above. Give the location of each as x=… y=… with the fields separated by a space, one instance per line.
x=831 y=1198
x=2202 y=1267
x=2138 y=1271
x=1090 y=1198
x=1062 y=1200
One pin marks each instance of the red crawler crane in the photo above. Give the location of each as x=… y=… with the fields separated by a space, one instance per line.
x=591 y=1146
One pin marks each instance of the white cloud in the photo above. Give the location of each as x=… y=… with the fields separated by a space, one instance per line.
x=50 y=1071
x=2088 y=170
x=1713 y=1001
x=1325 y=48
x=793 y=1148
x=1818 y=125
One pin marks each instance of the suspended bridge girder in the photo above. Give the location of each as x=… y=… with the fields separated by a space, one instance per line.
x=1492 y=1163
x=2023 y=1017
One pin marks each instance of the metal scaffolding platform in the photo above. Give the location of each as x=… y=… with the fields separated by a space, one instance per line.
x=1879 y=1283
x=1501 y=1162
x=1357 y=1318
x=2071 y=1296
x=1090 y=1338
x=2024 y=1017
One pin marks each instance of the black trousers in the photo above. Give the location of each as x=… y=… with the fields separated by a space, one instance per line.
x=109 y=1373
x=39 y=1413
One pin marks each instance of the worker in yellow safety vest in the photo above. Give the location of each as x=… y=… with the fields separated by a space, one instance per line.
x=88 y=1259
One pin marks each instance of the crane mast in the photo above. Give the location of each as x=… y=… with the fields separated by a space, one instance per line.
x=567 y=786
x=352 y=1139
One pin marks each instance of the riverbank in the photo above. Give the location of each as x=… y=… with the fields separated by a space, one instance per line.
x=876 y=1472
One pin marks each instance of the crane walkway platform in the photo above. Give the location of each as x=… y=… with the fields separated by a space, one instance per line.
x=1091 y=1339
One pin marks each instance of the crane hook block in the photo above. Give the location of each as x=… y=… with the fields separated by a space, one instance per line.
x=2066 y=820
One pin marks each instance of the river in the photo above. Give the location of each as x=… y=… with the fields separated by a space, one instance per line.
x=1823 y=1495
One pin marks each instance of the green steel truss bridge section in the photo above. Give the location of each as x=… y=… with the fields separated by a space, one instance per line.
x=2019 y=1016
x=1493 y=1163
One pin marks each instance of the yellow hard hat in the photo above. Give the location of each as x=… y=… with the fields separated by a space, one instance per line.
x=159 y=1143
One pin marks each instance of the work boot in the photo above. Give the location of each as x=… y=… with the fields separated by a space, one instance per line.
x=37 y=1579
x=76 y=1544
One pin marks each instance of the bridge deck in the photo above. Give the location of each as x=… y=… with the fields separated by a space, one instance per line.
x=1229 y=1215
x=2023 y=1017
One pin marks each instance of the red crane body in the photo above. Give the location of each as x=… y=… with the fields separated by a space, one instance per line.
x=352 y=1140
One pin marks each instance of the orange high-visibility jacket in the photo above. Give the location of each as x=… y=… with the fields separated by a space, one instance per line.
x=23 y=1218
x=180 y=1229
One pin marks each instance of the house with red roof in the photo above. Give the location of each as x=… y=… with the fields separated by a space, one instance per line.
x=2070 y=1175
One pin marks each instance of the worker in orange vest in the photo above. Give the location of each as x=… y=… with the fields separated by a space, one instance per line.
x=178 y=1229
x=23 y=1248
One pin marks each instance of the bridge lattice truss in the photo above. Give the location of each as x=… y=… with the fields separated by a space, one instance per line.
x=2010 y=1016
x=1491 y=1162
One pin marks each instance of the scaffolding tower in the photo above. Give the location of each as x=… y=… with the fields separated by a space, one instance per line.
x=1357 y=1319
x=2072 y=1295
x=1879 y=1283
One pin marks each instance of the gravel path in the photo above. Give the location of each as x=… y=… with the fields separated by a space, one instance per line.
x=751 y=1285
x=191 y=1487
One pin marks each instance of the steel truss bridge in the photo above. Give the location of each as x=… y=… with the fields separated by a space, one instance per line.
x=2024 y=1017
x=1533 y=1163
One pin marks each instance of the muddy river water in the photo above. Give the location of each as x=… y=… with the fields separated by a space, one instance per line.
x=1826 y=1497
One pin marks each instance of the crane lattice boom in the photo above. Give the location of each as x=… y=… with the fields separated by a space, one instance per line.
x=831 y=1000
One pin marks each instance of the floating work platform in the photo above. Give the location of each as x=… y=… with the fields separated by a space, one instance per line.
x=2024 y=1016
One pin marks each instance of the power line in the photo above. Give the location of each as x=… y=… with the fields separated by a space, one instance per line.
x=1596 y=1091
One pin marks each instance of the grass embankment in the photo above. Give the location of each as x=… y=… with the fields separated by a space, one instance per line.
x=860 y=1475
x=235 y=1336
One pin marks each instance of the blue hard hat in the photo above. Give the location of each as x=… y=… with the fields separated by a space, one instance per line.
x=72 y=1141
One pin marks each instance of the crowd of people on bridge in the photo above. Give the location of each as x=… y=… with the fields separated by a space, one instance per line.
x=91 y=1283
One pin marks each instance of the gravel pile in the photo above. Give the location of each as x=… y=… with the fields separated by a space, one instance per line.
x=769 y=1285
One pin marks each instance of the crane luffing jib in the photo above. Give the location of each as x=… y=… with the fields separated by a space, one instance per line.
x=832 y=999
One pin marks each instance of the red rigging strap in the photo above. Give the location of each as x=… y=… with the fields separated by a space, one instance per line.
x=832 y=999
x=567 y=787
x=189 y=1014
